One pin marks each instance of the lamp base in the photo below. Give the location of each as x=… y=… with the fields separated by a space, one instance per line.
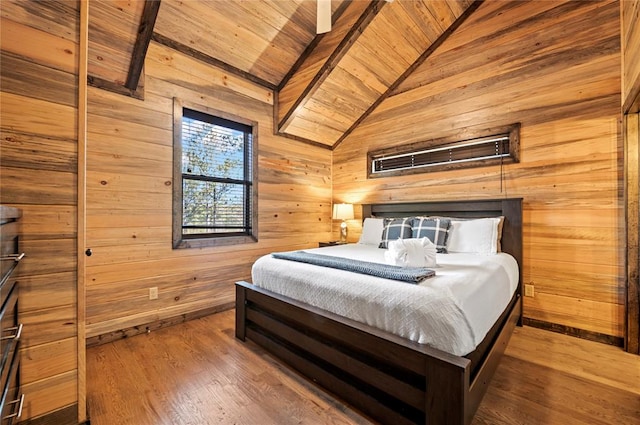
x=343 y=232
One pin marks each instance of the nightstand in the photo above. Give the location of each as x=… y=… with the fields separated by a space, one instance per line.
x=330 y=243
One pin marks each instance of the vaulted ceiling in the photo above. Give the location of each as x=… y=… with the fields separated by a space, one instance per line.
x=325 y=85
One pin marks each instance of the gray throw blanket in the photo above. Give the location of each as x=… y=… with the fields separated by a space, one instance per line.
x=404 y=274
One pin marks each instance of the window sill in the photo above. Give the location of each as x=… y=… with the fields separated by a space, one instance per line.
x=213 y=242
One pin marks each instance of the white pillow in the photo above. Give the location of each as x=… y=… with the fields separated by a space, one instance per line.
x=478 y=236
x=372 y=231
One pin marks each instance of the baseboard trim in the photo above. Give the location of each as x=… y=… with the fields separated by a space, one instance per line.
x=159 y=324
x=577 y=332
x=153 y=326
x=65 y=416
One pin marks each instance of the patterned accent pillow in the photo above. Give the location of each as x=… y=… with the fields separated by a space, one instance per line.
x=395 y=228
x=434 y=228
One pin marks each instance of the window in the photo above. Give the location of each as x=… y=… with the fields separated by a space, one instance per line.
x=495 y=146
x=215 y=200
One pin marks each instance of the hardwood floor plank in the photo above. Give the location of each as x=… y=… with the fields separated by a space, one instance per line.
x=198 y=373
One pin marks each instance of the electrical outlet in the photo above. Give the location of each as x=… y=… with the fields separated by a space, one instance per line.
x=528 y=290
x=153 y=293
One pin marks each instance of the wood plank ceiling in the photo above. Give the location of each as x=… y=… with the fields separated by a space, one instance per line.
x=324 y=85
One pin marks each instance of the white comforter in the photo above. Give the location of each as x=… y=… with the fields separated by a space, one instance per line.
x=452 y=311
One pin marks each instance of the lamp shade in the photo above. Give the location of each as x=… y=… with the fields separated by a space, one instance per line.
x=343 y=211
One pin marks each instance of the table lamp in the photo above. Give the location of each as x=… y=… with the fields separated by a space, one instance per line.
x=343 y=212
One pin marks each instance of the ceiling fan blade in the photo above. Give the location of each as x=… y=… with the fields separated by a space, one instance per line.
x=323 y=16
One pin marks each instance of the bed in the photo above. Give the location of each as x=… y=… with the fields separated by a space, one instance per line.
x=388 y=378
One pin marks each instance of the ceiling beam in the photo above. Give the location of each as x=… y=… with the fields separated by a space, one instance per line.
x=307 y=52
x=145 y=31
x=632 y=104
x=114 y=87
x=340 y=51
x=432 y=48
x=304 y=140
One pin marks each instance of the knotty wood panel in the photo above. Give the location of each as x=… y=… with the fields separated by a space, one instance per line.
x=632 y=184
x=631 y=54
x=363 y=69
x=43 y=152
x=48 y=221
x=18 y=38
x=51 y=187
x=264 y=38
x=46 y=396
x=129 y=197
x=555 y=68
x=113 y=27
x=631 y=106
x=57 y=18
x=53 y=119
x=194 y=71
x=40 y=292
x=49 y=359
x=38 y=167
x=294 y=88
x=18 y=75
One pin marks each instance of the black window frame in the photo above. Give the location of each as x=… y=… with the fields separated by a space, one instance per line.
x=468 y=149
x=248 y=233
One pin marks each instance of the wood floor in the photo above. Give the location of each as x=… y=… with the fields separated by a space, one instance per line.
x=198 y=373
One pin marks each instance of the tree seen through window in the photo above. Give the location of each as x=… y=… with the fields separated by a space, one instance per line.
x=216 y=175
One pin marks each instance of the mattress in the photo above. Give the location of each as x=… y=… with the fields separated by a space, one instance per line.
x=452 y=311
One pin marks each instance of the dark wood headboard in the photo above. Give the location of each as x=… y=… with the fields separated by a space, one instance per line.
x=510 y=208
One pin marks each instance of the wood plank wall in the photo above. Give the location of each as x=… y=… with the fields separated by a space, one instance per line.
x=112 y=37
x=630 y=36
x=129 y=197
x=554 y=66
x=38 y=161
x=631 y=52
x=632 y=172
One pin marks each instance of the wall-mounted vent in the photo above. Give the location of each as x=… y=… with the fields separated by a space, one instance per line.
x=501 y=146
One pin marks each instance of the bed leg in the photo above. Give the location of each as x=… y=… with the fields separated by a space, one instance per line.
x=240 y=312
x=443 y=379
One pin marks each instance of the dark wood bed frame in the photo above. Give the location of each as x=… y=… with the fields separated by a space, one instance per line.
x=388 y=378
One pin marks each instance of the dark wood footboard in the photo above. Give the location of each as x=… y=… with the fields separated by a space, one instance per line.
x=389 y=378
